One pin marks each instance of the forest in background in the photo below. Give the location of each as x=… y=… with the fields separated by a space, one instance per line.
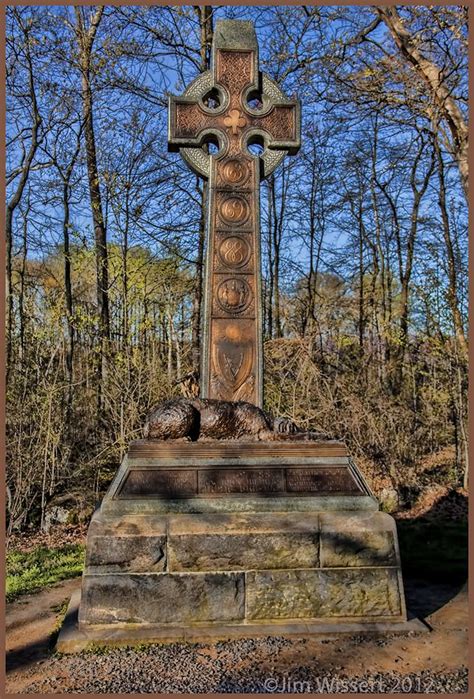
x=364 y=238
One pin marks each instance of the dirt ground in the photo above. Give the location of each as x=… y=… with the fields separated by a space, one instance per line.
x=32 y=623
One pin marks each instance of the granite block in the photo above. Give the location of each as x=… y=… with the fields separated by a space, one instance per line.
x=352 y=549
x=126 y=553
x=356 y=521
x=243 y=523
x=162 y=598
x=207 y=552
x=294 y=594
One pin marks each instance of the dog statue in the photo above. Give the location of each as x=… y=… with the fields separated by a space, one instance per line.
x=205 y=419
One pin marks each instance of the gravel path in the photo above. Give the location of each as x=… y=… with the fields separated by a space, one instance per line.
x=426 y=663
x=231 y=666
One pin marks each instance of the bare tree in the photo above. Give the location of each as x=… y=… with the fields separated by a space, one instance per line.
x=85 y=39
x=71 y=132
x=451 y=257
x=435 y=80
x=28 y=150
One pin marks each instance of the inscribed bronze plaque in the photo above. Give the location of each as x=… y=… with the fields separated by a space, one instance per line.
x=227 y=481
x=321 y=480
x=160 y=483
x=203 y=481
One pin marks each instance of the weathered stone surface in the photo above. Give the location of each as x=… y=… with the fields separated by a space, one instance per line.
x=242 y=551
x=130 y=524
x=126 y=553
x=358 y=539
x=352 y=549
x=75 y=639
x=240 y=504
x=294 y=594
x=355 y=521
x=244 y=523
x=163 y=598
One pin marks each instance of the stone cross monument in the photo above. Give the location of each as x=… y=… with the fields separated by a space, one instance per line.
x=232 y=364
x=217 y=525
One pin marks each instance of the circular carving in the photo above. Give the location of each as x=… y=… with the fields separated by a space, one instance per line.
x=234 y=251
x=234 y=210
x=233 y=332
x=234 y=172
x=234 y=295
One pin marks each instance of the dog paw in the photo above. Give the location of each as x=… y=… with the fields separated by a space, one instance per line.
x=284 y=426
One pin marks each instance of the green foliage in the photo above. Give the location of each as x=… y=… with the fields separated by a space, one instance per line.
x=42 y=567
x=56 y=431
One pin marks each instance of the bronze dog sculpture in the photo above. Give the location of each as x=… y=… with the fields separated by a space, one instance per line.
x=208 y=419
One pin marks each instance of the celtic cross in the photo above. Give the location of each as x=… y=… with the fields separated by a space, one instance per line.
x=233 y=106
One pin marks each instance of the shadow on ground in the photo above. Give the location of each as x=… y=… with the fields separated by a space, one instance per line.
x=434 y=553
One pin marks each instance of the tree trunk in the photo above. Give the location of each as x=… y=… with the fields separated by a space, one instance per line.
x=407 y=269
x=270 y=260
x=277 y=221
x=86 y=41
x=452 y=273
x=198 y=289
x=207 y=32
x=433 y=78
x=21 y=295
x=125 y=309
x=17 y=195
x=68 y=294
x=361 y=281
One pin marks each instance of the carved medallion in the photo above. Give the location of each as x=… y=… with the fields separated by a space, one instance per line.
x=233 y=332
x=234 y=210
x=234 y=172
x=234 y=251
x=234 y=295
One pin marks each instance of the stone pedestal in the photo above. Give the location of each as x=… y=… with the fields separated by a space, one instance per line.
x=233 y=539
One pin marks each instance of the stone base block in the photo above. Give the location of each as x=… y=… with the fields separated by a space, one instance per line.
x=235 y=568
x=233 y=536
x=325 y=593
x=75 y=637
x=162 y=598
